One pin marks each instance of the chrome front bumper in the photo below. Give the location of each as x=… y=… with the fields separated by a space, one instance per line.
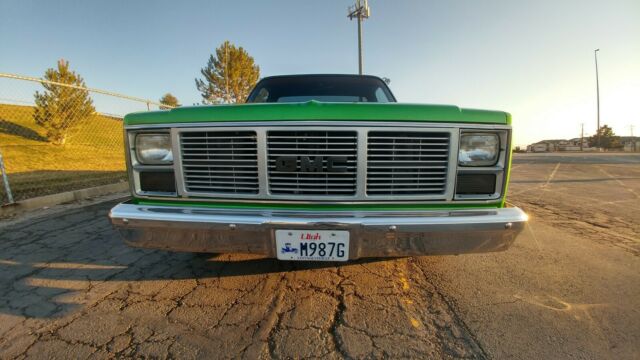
x=372 y=233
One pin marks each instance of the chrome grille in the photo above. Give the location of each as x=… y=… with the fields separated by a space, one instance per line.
x=312 y=145
x=407 y=163
x=220 y=162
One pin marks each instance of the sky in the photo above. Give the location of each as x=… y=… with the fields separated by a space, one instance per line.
x=533 y=59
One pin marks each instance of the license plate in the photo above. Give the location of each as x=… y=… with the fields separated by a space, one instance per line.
x=316 y=245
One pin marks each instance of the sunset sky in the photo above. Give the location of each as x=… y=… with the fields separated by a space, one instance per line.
x=531 y=58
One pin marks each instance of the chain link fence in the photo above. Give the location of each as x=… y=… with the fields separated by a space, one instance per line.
x=57 y=137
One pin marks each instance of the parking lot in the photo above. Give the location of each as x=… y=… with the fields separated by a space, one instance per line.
x=569 y=287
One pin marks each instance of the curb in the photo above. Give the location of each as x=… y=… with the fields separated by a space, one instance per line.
x=61 y=198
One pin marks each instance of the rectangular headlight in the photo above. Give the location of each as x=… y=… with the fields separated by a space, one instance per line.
x=478 y=149
x=154 y=149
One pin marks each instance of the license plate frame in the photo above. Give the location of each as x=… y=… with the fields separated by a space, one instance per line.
x=310 y=245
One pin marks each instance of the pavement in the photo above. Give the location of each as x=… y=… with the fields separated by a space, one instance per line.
x=568 y=288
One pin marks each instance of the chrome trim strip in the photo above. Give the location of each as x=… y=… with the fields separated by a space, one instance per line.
x=128 y=163
x=178 y=214
x=361 y=169
x=331 y=123
x=329 y=202
x=177 y=161
x=452 y=170
x=263 y=164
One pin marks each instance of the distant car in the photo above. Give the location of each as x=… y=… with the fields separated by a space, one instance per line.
x=330 y=166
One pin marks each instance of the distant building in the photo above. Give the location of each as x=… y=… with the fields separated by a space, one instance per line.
x=544 y=146
x=630 y=143
x=575 y=143
x=540 y=147
x=560 y=145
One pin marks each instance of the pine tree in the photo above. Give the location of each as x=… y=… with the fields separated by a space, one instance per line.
x=60 y=108
x=169 y=100
x=229 y=75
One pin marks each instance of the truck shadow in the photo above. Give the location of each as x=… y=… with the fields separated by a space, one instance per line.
x=50 y=267
x=48 y=290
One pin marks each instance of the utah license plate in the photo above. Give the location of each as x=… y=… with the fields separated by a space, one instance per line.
x=312 y=245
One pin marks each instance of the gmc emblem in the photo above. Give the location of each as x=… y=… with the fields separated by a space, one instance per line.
x=290 y=164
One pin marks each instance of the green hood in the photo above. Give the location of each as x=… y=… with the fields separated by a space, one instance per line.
x=314 y=110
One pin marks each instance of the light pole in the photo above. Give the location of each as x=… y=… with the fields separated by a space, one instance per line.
x=359 y=11
x=595 y=55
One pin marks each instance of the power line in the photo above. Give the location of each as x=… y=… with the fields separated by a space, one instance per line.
x=98 y=91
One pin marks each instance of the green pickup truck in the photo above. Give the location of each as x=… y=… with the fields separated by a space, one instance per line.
x=319 y=168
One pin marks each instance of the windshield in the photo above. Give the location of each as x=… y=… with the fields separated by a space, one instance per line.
x=327 y=88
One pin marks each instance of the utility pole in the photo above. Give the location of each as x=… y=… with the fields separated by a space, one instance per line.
x=633 y=141
x=359 y=11
x=581 y=136
x=595 y=55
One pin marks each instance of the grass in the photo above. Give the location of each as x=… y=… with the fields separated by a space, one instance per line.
x=93 y=154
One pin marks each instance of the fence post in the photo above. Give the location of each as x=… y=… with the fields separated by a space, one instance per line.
x=5 y=180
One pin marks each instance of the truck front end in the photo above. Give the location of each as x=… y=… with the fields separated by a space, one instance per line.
x=319 y=180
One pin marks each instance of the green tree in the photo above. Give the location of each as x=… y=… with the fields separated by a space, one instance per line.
x=169 y=100
x=229 y=76
x=607 y=139
x=60 y=108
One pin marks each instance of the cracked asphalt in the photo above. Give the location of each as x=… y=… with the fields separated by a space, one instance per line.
x=568 y=288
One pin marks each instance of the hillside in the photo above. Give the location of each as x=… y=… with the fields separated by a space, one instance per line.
x=93 y=154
